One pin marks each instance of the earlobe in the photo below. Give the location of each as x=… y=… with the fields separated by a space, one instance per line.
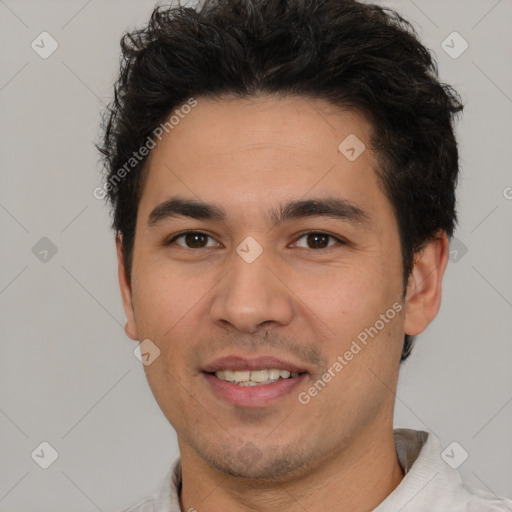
x=424 y=288
x=126 y=292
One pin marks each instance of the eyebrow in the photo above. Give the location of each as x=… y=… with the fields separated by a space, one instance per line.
x=332 y=207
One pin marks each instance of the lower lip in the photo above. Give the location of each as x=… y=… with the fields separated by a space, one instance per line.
x=253 y=396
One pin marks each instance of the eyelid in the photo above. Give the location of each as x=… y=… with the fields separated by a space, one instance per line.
x=174 y=237
x=338 y=238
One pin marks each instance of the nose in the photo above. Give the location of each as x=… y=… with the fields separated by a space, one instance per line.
x=252 y=295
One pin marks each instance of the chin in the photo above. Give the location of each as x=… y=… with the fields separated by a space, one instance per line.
x=254 y=463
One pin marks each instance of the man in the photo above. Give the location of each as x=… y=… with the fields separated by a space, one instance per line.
x=282 y=175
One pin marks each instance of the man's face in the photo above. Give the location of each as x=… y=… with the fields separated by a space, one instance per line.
x=319 y=282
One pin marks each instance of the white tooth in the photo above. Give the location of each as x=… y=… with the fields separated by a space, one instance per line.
x=229 y=375
x=273 y=374
x=259 y=375
x=242 y=376
x=251 y=378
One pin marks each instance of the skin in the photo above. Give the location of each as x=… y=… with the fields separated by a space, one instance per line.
x=295 y=302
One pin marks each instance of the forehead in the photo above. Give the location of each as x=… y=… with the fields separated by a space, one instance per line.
x=291 y=123
x=256 y=150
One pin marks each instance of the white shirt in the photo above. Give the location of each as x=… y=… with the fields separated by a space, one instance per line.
x=429 y=484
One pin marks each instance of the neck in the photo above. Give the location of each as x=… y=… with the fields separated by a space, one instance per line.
x=356 y=478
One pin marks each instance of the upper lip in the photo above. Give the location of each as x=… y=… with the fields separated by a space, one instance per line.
x=240 y=363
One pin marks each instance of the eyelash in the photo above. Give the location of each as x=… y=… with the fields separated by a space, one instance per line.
x=301 y=235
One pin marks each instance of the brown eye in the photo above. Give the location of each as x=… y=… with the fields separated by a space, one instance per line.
x=317 y=240
x=194 y=240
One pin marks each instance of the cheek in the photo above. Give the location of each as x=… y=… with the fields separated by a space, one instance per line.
x=347 y=298
x=169 y=306
x=360 y=305
x=151 y=300
x=162 y=291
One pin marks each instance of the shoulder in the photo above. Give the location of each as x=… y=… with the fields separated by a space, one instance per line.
x=431 y=482
x=479 y=500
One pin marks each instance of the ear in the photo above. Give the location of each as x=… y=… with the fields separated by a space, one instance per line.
x=130 y=327
x=423 y=297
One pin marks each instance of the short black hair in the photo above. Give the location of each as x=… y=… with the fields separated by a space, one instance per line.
x=349 y=53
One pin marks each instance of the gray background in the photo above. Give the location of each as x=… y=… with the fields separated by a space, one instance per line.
x=68 y=375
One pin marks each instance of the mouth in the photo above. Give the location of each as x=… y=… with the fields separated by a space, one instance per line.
x=260 y=377
x=253 y=382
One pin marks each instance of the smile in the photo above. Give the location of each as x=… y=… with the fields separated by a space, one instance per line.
x=255 y=377
x=251 y=394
